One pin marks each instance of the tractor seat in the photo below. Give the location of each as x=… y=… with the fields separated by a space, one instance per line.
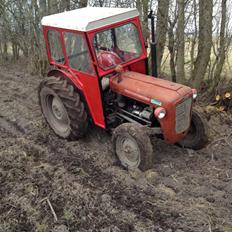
x=108 y=59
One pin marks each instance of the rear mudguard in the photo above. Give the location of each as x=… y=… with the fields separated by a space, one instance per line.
x=94 y=106
x=64 y=74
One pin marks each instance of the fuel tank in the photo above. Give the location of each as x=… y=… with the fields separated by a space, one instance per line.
x=156 y=92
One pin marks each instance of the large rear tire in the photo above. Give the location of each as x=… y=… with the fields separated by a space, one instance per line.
x=197 y=137
x=62 y=108
x=133 y=147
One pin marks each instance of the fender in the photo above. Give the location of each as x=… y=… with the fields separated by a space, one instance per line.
x=70 y=75
x=93 y=107
x=74 y=80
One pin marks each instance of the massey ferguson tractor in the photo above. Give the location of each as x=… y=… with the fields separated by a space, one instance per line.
x=100 y=77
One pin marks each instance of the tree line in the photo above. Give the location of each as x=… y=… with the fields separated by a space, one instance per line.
x=193 y=36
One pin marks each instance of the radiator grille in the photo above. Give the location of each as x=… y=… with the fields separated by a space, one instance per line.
x=183 y=115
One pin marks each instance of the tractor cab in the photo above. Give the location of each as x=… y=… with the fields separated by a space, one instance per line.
x=95 y=40
x=99 y=77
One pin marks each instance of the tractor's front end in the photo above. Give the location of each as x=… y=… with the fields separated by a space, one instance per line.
x=171 y=103
x=157 y=107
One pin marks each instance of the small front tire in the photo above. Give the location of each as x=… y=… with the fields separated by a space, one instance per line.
x=197 y=137
x=133 y=147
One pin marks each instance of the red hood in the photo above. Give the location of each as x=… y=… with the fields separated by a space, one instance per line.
x=144 y=88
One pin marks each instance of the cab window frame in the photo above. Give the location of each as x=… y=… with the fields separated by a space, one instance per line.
x=56 y=61
x=113 y=27
x=83 y=36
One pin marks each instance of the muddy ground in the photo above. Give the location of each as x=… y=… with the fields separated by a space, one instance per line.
x=186 y=191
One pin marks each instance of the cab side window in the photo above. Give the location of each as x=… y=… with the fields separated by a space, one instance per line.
x=55 y=46
x=77 y=52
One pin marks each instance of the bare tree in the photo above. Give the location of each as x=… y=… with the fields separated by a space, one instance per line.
x=221 y=56
x=83 y=3
x=180 y=40
x=205 y=41
x=142 y=6
x=161 y=29
x=171 y=48
x=193 y=35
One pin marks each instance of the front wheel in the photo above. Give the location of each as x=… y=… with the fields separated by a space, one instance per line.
x=197 y=137
x=133 y=147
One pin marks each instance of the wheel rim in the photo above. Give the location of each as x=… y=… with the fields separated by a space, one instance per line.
x=128 y=151
x=57 y=115
x=58 y=109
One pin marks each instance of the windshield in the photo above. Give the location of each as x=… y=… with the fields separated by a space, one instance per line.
x=117 y=45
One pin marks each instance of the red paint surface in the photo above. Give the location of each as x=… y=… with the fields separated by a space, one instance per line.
x=139 y=67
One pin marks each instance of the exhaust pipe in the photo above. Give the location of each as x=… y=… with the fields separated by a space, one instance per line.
x=153 y=46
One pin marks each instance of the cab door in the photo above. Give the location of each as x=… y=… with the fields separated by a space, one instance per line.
x=81 y=65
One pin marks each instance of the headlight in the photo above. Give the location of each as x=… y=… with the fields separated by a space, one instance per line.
x=194 y=93
x=160 y=112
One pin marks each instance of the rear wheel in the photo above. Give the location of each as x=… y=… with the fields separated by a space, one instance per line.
x=62 y=108
x=197 y=136
x=132 y=146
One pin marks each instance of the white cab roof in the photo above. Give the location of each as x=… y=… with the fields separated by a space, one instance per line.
x=89 y=18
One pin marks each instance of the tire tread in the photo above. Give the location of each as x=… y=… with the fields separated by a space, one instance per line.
x=73 y=104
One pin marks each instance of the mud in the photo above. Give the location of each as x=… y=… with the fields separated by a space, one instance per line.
x=88 y=190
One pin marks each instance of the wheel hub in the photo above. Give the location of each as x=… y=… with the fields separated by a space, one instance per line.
x=58 y=109
x=57 y=115
x=128 y=151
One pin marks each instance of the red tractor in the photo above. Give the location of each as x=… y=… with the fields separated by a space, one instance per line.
x=100 y=77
